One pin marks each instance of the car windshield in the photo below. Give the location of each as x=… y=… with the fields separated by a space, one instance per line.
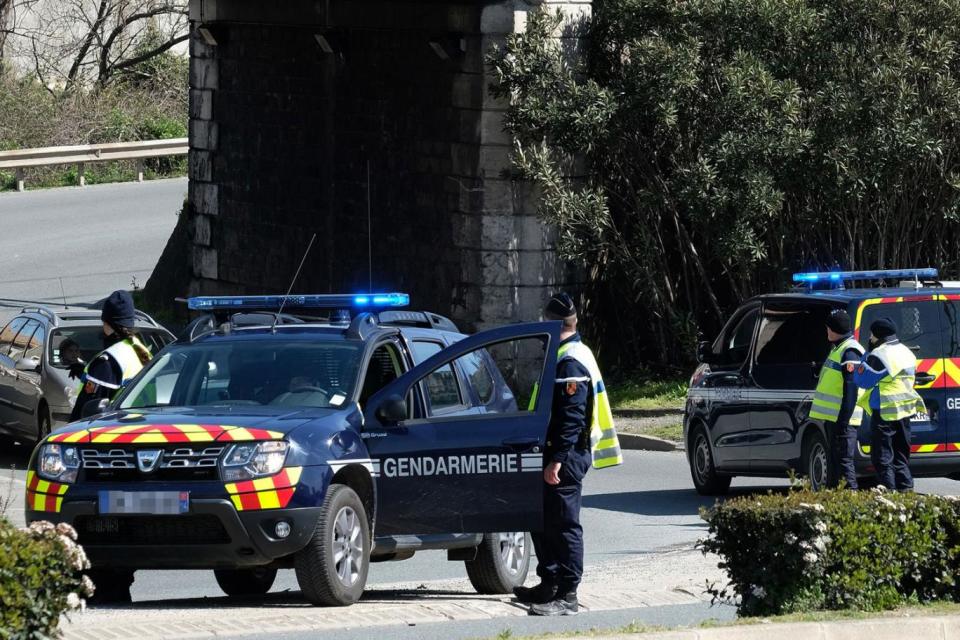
x=69 y=345
x=245 y=372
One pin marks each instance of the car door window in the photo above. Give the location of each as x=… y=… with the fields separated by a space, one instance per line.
x=734 y=344
x=478 y=376
x=22 y=339
x=35 y=344
x=9 y=333
x=791 y=345
x=918 y=324
x=385 y=366
x=441 y=386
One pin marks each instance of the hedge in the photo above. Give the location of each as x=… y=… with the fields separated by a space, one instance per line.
x=835 y=550
x=40 y=578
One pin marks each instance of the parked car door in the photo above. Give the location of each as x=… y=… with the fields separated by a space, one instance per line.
x=16 y=414
x=918 y=327
x=8 y=371
x=466 y=472
x=791 y=348
x=27 y=390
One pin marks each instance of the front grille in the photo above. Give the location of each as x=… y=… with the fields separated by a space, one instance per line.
x=177 y=462
x=150 y=530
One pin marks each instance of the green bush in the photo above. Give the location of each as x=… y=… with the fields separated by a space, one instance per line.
x=40 y=578
x=835 y=550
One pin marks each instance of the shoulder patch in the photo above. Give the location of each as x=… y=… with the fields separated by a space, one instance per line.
x=89 y=387
x=861 y=369
x=571 y=388
x=850 y=368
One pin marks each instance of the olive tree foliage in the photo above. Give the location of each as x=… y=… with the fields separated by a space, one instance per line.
x=66 y=43
x=727 y=143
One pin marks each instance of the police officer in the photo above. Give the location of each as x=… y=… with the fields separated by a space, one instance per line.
x=580 y=432
x=835 y=400
x=122 y=358
x=888 y=372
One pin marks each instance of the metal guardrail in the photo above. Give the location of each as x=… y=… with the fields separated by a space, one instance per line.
x=20 y=159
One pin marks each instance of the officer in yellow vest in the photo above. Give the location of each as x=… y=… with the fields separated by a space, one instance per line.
x=122 y=358
x=888 y=372
x=580 y=434
x=835 y=400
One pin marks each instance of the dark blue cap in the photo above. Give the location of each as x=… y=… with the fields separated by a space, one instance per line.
x=118 y=310
x=883 y=328
x=560 y=306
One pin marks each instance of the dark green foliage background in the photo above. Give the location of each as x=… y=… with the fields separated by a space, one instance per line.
x=725 y=144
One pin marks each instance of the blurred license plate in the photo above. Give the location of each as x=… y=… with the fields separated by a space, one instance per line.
x=157 y=502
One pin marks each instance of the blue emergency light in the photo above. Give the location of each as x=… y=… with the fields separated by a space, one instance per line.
x=314 y=301
x=837 y=278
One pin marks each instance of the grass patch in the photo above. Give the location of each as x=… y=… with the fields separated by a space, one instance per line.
x=648 y=392
x=672 y=432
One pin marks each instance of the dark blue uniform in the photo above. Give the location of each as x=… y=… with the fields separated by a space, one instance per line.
x=105 y=369
x=559 y=546
x=843 y=435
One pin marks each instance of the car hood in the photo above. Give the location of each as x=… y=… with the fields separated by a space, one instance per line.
x=182 y=424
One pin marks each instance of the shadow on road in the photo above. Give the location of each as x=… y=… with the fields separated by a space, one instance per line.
x=668 y=502
x=14 y=454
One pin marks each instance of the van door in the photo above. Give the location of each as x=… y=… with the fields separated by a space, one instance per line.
x=918 y=327
x=950 y=338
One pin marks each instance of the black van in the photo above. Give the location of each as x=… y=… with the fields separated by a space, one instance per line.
x=748 y=405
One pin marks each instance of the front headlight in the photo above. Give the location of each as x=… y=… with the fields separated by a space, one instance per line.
x=254 y=460
x=58 y=462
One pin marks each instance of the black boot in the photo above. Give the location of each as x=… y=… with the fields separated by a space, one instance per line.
x=560 y=606
x=543 y=592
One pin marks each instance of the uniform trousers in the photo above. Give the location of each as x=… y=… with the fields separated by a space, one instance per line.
x=559 y=546
x=890 y=452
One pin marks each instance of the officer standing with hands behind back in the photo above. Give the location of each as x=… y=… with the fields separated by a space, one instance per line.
x=580 y=432
x=888 y=373
x=835 y=400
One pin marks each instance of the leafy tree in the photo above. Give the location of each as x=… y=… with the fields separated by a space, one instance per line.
x=704 y=149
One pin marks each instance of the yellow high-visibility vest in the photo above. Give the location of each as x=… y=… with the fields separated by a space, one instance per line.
x=898 y=398
x=604 y=444
x=124 y=355
x=829 y=394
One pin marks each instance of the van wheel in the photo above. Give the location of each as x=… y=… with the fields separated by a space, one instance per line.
x=705 y=477
x=502 y=562
x=815 y=461
x=245 y=582
x=332 y=568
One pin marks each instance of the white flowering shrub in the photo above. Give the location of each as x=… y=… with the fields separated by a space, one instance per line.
x=40 y=578
x=835 y=550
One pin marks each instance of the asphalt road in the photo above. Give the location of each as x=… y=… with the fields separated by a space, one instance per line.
x=91 y=239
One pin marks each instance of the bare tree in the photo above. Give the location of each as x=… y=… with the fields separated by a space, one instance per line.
x=85 y=42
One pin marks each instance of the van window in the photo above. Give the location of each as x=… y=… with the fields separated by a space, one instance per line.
x=950 y=329
x=791 y=345
x=734 y=344
x=918 y=325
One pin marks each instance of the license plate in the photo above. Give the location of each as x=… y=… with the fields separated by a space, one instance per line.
x=153 y=502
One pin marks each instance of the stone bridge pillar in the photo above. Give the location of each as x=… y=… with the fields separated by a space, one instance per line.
x=371 y=124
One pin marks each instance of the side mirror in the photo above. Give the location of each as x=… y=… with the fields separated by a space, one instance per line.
x=393 y=410
x=704 y=352
x=93 y=407
x=28 y=364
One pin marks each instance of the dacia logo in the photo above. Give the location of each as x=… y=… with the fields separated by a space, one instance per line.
x=147 y=459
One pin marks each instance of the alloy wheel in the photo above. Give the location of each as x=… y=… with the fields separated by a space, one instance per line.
x=347 y=546
x=513 y=550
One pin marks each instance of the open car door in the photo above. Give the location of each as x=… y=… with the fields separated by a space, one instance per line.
x=464 y=470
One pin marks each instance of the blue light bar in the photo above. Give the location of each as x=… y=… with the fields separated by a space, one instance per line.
x=315 y=301
x=882 y=274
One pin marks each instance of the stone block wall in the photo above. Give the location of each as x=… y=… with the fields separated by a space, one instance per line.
x=285 y=133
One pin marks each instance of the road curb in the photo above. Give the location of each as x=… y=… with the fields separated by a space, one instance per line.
x=891 y=628
x=658 y=412
x=641 y=442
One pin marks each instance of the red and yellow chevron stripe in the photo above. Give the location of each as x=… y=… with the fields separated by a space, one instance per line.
x=165 y=433
x=274 y=492
x=43 y=495
x=936 y=447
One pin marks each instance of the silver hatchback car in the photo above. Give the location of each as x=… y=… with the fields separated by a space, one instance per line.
x=37 y=348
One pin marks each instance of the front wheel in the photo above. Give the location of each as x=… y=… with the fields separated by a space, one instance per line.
x=332 y=568
x=43 y=423
x=816 y=461
x=245 y=582
x=502 y=562
x=702 y=469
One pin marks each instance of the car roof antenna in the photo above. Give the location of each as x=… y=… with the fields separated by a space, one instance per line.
x=276 y=319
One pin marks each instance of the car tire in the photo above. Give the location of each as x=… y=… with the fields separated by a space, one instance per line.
x=332 y=568
x=43 y=423
x=502 y=562
x=815 y=460
x=706 y=480
x=255 y=581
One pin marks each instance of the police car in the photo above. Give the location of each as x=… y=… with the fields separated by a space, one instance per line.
x=282 y=433
x=748 y=405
